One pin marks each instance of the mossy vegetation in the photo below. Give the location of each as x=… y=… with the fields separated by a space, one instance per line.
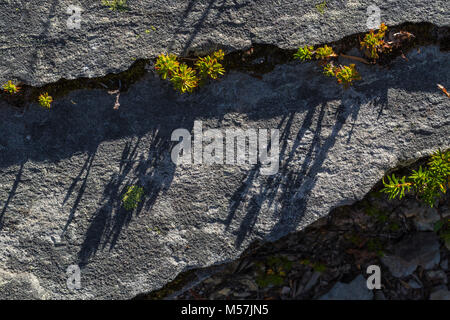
x=272 y=271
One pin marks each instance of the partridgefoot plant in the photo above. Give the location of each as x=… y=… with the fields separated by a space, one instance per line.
x=10 y=87
x=185 y=78
x=376 y=43
x=373 y=44
x=428 y=184
x=45 y=100
x=345 y=75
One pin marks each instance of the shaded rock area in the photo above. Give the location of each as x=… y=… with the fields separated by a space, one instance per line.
x=44 y=41
x=420 y=250
x=63 y=171
x=355 y=290
x=329 y=260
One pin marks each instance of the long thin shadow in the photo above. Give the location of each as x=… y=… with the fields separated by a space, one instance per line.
x=11 y=194
x=294 y=196
x=105 y=226
x=87 y=166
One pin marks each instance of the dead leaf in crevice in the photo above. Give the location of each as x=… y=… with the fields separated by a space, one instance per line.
x=440 y=86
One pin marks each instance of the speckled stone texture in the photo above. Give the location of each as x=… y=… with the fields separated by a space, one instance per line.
x=40 y=42
x=62 y=171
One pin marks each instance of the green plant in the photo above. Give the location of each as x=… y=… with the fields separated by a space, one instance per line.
x=45 y=100
x=132 y=197
x=328 y=70
x=185 y=78
x=304 y=53
x=346 y=75
x=273 y=271
x=373 y=43
x=11 y=87
x=120 y=5
x=325 y=52
x=429 y=184
x=166 y=66
x=209 y=66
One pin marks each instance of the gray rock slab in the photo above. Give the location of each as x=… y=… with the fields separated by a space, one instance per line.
x=440 y=293
x=422 y=249
x=44 y=41
x=60 y=188
x=355 y=290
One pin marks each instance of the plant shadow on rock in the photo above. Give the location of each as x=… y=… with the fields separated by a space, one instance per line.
x=68 y=129
x=222 y=7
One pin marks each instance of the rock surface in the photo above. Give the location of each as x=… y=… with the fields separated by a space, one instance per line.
x=421 y=250
x=41 y=42
x=62 y=171
x=355 y=290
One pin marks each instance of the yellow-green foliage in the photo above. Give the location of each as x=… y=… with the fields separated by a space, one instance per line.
x=209 y=66
x=324 y=52
x=346 y=75
x=166 y=66
x=304 y=53
x=132 y=197
x=11 y=87
x=115 y=4
x=328 y=70
x=373 y=43
x=429 y=184
x=321 y=53
x=185 y=78
x=45 y=100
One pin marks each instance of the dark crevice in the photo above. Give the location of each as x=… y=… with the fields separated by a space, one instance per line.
x=256 y=61
x=258 y=249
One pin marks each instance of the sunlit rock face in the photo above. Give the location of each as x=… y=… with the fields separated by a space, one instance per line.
x=64 y=233
x=43 y=41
